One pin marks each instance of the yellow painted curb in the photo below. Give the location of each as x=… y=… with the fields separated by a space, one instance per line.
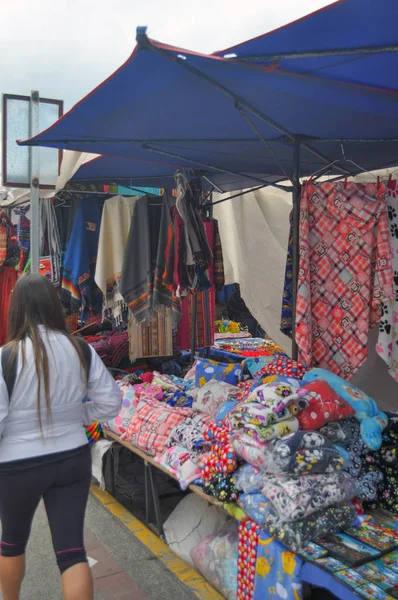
x=186 y=574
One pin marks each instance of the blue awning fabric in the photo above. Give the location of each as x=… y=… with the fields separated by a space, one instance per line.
x=238 y=119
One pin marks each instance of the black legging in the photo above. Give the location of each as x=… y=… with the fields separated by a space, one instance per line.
x=64 y=486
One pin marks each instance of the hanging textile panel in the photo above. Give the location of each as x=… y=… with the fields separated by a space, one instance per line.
x=152 y=337
x=387 y=346
x=345 y=273
x=8 y=279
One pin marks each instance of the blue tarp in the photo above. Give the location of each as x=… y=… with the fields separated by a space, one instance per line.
x=185 y=105
x=129 y=172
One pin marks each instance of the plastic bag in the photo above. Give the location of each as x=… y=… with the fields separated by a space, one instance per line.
x=253 y=452
x=216 y=557
x=256 y=506
x=190 y=522
x=306 y=452
x=249 y=479
x=321 y=523
x=299 y=497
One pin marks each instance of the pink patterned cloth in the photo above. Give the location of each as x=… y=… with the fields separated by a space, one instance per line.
x=345 y=273
x=151 y=426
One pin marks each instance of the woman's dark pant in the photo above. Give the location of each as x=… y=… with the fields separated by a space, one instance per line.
x=64 y=487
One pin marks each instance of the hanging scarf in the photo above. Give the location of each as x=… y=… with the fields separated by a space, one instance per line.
x=144 y=261
x=78 y=289
x=115 y=225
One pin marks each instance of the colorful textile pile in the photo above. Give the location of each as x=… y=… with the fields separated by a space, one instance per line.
x=283 y=365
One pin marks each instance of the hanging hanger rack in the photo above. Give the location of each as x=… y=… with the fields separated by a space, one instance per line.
x=356 y=165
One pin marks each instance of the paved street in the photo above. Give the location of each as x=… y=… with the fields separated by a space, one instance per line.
x=125 y=568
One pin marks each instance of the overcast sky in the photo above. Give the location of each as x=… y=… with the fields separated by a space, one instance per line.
x=64 y=48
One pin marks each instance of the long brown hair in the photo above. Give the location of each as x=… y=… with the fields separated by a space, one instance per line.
x=35 y=302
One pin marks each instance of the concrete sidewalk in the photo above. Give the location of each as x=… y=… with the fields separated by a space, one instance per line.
x=125 y=568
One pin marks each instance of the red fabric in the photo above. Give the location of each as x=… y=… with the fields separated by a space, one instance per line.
x=324 y=406
x=8 y=279
x=147 y=377
x=284 y=366
x=345 y=273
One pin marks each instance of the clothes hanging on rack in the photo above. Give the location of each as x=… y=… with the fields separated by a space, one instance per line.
x=206 y=307
x=387 y=346
x=345 y=273
x=115 y=226
x=154 y=312
x=188 y=254
x=79 y=292
x=50 y=239
x=148 y=232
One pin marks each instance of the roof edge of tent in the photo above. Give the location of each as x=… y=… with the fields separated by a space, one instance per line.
x=220 y=53
x=28 y=141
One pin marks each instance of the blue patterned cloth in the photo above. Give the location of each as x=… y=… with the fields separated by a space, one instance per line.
x=277 y=571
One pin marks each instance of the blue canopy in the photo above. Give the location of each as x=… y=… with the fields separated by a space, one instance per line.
x=353 y=41
x=131 y=173
x=243 y=118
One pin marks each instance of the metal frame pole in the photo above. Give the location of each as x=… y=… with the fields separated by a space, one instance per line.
x=34 y=177
x=295 y=249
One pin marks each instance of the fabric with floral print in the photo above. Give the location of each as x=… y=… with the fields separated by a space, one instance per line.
x=297 y=497
x=387 y=346
x=385 y=461
x=249 y=533
x=345 y=273
x=295 y=535
x=249 y=479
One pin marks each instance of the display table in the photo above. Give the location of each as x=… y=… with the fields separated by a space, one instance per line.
x=151 y=493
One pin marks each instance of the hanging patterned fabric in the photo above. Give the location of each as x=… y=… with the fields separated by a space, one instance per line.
x=287 y=300
x=387 y=346
x=345 y=273
x=249 y=533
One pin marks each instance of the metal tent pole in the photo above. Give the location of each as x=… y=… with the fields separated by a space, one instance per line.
x=295 y=249
x=194 y=324
x=34 y=173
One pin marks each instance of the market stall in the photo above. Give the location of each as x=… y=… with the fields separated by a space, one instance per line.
x=295 y=454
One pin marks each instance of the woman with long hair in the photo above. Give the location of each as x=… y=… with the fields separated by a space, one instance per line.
x=44 y=453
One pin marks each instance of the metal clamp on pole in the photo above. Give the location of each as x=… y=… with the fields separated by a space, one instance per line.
x=34 y=177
